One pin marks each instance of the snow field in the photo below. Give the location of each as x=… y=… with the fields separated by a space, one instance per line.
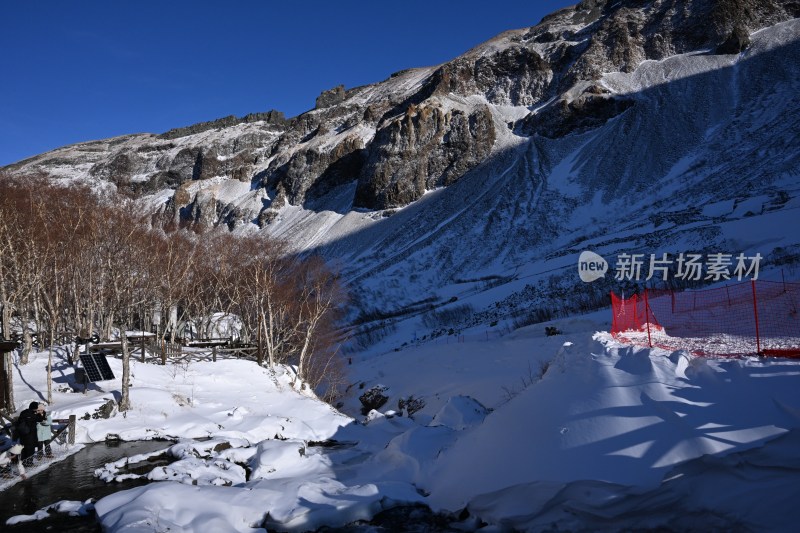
x=516 y=430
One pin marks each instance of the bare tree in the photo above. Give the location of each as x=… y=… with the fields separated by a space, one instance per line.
x=320 y=298
x=127 y=266
x=177 y=257
x=266 y=299
x=72 y=263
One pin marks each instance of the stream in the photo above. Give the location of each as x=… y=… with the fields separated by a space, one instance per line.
x=752 y=479
x=70 y=479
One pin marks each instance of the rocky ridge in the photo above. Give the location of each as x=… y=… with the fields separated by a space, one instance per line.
x=409 y=134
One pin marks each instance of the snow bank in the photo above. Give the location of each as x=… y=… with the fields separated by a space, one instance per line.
x=621 y=415
x=601 y=435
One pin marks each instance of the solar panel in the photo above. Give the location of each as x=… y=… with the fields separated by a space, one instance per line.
x=96 y=366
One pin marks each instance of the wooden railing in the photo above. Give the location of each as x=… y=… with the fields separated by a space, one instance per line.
x=208 y=350
x=67 y=424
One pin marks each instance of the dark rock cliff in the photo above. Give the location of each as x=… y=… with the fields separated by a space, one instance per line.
x=421 y=129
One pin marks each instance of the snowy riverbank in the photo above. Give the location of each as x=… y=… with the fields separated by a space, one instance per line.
x=605 y=433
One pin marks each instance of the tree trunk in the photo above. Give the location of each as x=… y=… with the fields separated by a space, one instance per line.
x=9 y=378
x=27 y=345
x=76 y=354
x=261 y=348
x=125 y=400
x=37 y=323
x=108 y=325
x=5 y=320
x=27 y=340
x=304 y=355
x=50 y=369
x=268 y=326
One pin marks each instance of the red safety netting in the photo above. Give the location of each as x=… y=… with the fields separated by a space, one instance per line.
x=751 y=317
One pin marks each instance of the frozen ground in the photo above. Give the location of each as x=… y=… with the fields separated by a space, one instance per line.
x=573 y=431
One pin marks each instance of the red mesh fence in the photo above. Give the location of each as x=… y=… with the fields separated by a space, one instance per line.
x=751 y=317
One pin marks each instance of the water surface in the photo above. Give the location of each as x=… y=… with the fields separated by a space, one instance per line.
x=70 y=479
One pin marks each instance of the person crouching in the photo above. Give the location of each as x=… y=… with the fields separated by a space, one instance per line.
x=11 y=457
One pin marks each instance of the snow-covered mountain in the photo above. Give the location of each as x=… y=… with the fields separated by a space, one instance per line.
x=618 y=126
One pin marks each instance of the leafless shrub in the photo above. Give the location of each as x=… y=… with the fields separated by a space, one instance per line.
x=74 y=263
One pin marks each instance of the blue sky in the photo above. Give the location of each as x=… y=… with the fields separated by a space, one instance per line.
x=78 y=71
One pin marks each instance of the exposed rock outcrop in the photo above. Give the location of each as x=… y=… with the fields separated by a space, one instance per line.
x=428 y=147
x=272 y=117
x=330 y=97
x=421 y=128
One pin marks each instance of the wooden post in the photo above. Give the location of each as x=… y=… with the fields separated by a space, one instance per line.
x=213 y=354
x=71 y=430
x=143 y=350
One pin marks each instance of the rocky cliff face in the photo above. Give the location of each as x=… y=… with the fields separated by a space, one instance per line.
x=414 y=132
x=507 y=112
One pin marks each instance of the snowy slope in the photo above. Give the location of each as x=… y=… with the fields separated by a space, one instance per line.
x=638 y=184
x=608 y=436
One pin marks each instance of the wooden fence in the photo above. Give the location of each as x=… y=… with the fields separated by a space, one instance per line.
x=152 y=352
x=178 y=353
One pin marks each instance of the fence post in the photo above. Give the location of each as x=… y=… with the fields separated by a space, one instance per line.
x=755 y=314
x=71 y=430
x=143 y=350
x=163 y=353
x=213 y=354
x=647 y=317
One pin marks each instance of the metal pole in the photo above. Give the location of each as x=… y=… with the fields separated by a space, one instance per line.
x=647 y=317
x=755 y=313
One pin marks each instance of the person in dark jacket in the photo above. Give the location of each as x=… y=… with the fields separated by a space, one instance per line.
x=26 y=428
